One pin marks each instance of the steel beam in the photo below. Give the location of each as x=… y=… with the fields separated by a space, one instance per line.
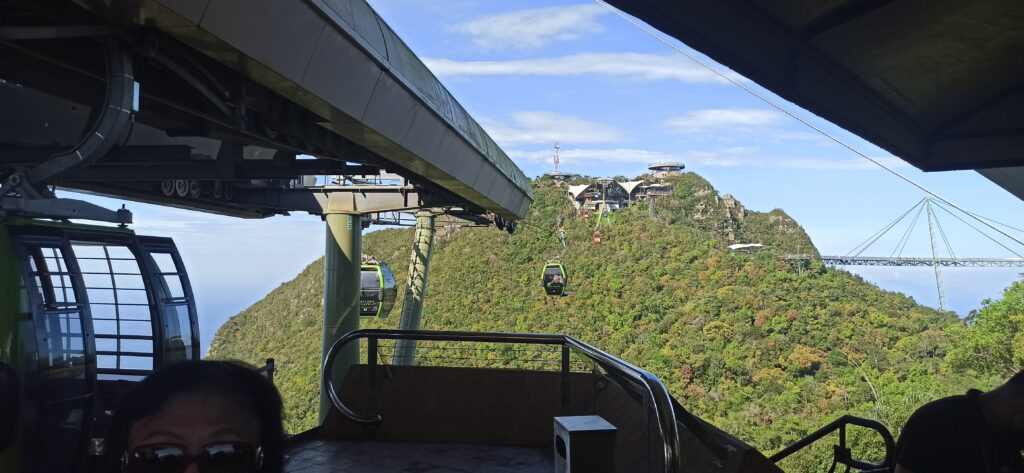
x=416 y=288
x=62 y=208
x=335 y=199
x=186 y=170
x=909 y=261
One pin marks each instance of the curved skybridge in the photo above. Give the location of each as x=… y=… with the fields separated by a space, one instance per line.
x=194 y=105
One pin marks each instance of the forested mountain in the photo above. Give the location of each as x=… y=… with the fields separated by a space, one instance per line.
x=765 y=350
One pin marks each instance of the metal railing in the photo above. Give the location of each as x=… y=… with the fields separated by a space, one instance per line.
x=268 y=369
x=841 y=453
x=660 y=399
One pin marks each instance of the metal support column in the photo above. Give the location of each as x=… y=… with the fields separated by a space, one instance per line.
x=932 y=222
x=342 y=255
x=416 y=289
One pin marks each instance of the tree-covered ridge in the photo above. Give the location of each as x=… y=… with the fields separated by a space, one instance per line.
x=764 y=350
x=991 y=341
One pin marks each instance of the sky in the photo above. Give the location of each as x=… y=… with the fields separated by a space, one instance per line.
x=616 y=99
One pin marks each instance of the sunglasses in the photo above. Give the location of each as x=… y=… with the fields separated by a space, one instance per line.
x=226 y=457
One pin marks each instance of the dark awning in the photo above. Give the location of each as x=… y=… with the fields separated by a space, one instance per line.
x=938 y=83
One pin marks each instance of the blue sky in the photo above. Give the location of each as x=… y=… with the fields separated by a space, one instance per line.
x=536 y=72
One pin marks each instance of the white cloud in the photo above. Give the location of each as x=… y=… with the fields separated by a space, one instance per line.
x=635 y=66
x=717 y=119
x=534 y=28
x=548 y=127
x=747 y=157
x=726 y=157
x=572 y=156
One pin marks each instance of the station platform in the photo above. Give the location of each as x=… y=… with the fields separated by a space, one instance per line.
x=321 y=455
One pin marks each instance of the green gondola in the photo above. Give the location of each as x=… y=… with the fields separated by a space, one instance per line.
x=85 y=311
x=555 y=279
x=379 y=290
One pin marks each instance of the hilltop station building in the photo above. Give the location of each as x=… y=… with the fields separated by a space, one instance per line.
x=605 y=193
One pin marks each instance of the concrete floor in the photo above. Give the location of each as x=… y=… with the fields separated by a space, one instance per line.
x=333 y=456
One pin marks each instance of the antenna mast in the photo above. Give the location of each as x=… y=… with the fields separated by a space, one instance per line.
x=555 y=156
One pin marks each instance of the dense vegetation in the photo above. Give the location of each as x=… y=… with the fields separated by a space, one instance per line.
x=763 y=349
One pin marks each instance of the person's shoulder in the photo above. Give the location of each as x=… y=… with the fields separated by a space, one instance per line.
x=954 y=407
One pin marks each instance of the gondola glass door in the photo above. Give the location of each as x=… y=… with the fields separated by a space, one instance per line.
x=60 y=376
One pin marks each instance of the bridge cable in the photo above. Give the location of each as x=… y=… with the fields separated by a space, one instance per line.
x=877 y=235
x=997 y=222
x=792 y=115
x=979 y=231
x=942 y=233
x=902 y=244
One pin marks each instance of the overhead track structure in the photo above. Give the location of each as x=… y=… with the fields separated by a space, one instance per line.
x=939 y=84
x=226 y=112
x=241 y=108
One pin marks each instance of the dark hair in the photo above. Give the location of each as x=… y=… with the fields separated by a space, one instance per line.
x=1017 y=380
x=233 y=379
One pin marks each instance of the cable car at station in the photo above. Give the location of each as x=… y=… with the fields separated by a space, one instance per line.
x=379 y=290
x=85 y=311
x=555 y=279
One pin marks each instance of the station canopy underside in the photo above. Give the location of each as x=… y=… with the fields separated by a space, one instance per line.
x=236 y=93
x=938 y=83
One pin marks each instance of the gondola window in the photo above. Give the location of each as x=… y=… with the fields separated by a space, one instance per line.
x=120 y=310
x=177 y=325
x=62 y=317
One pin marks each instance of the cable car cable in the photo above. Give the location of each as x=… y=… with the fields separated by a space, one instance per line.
x=792 y=115
x=979 y=231
x=1011 y=227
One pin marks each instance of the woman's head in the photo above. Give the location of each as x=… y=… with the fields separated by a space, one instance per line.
x=220 y=415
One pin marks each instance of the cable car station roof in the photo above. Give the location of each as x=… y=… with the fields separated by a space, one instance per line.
x=939 y=84
x=237 y=93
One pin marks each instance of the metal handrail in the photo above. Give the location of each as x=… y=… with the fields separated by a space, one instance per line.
x=268 y=369
x=658 y=394
x=840 y=425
